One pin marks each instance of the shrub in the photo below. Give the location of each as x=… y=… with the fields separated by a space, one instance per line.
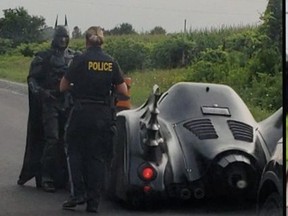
x=172 y=52
x=131 y=55
x=5 y=45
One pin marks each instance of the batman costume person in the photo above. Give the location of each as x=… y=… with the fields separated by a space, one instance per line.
x=44 y=156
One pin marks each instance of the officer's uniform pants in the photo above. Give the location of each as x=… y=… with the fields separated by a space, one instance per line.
x=53 y=159
x=88 y=137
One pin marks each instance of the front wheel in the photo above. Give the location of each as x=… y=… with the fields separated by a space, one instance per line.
x=273 y=206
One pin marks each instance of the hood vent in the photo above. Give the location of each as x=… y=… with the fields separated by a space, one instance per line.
x=241 y=131
x=202 y=128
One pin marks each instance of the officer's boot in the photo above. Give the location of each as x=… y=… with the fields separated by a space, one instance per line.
x=94 y=199
x=73 y=202
x=92 y=205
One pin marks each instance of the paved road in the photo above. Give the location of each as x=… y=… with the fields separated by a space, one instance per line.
x=27 y=200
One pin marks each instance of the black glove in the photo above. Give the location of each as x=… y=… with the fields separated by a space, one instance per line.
x=34 y=87
x=45 y=93
x=68 y=101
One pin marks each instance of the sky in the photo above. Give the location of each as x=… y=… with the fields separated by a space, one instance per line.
x=144 y=15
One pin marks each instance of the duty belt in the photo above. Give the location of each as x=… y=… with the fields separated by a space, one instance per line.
x=91 y=101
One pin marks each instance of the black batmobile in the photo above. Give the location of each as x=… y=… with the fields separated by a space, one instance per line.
x=195 y=140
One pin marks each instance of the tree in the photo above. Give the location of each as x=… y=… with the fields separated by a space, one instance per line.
x=272 y=19
x=158 y=30
x=76 y=32
x=18 y=26
x=47 y=33
x=123 y=29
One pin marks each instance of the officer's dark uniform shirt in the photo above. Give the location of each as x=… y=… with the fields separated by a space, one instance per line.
x=92 y=75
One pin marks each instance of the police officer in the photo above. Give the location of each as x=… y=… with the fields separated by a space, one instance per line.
x=44 y=156
x=90 y=79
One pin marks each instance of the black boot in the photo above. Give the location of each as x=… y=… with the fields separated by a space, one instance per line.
x=92 y=205
x=48 y=187
x=72 y=202
x=38 y=181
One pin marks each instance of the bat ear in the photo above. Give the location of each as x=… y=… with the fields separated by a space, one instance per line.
x=56 y=22
x=66 y=23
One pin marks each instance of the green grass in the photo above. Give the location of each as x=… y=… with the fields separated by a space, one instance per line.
x=143 y=82
x=16 y=68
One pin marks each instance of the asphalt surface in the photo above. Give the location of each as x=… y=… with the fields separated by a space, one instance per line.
x=15 y=87
x=27 y=200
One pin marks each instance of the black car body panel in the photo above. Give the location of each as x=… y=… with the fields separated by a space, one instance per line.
x=199 y=138
x=271 y=184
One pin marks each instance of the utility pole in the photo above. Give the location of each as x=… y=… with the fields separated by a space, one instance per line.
x=185 y=26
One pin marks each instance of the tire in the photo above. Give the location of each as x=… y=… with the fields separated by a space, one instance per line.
x=116 y=185
x=273 y=206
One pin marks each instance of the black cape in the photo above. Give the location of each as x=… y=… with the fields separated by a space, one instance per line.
x=34 y=143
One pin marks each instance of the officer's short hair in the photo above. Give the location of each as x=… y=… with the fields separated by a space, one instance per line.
x=95 y=35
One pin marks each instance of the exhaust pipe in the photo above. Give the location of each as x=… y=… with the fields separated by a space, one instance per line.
x=199 y=193
x=241 y=184
x=185 y=194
